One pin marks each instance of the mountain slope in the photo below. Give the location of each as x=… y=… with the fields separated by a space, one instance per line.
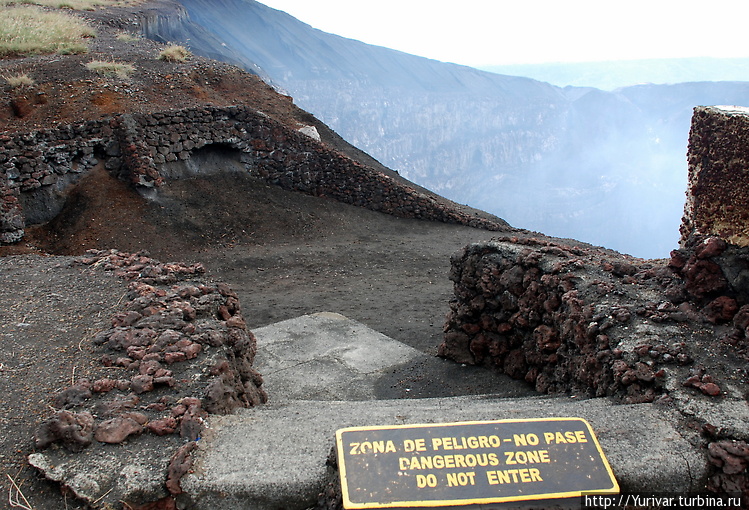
x=607 y=168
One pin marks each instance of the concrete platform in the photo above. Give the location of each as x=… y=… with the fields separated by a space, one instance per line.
x=326 y=356
x=322 y=373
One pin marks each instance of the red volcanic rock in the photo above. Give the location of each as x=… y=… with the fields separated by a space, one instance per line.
x=236 y=321
x=732 y=457
x=141 y=383
x=103 y=385
x=174 y=357
x=191 y=351
x=547 y=339
x=179 y=465
x=139 y=418
x=711 y=247
x=704 y=277
x=117 y=430
x=163 y=426
x=721 y=309
x=711 y=389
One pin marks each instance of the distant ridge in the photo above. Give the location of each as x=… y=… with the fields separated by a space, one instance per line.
x=612 y=75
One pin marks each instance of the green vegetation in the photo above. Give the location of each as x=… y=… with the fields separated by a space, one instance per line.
x=111 y=69
x=174 y=53
x=29 y=30
x=19 y=80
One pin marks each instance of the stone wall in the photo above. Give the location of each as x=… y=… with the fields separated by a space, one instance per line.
x=718 y=175
x=566 y=319
x=43 y=163
x=36 y=167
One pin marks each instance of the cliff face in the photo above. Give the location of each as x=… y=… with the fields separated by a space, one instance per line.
x=167 y=21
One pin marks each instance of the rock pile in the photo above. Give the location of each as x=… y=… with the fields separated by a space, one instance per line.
x=178 y=351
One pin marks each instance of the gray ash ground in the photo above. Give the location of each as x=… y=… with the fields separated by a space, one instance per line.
x=49 y=312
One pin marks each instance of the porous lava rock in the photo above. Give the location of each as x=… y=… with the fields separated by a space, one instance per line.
x=75 y=431
x=562 y=318
x=731 y=460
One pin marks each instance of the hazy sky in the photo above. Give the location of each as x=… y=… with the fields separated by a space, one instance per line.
x=486 y=32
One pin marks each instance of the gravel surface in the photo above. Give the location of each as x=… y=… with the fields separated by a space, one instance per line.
x=49 y=311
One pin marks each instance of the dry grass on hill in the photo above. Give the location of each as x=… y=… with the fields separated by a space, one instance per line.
x=30 y=30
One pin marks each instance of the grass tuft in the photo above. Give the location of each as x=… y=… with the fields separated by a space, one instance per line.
x=111 y=69
x=127 y=37
x=174 y=53
x=19 y=80
x=29 y=30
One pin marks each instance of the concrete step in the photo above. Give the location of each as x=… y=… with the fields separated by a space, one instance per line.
x=326 y=356
x=274 y=456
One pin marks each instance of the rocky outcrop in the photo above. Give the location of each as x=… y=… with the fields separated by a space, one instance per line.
x=718 y=183
x=37 y=167
x=167 y=21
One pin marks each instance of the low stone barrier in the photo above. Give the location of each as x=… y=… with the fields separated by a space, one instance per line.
x=37 y=167
x=565 y=319
x=178 y=351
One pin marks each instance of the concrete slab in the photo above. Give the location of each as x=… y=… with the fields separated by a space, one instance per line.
x=274 y=456
x=326 y=356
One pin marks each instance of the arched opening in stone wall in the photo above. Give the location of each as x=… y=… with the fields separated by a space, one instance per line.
x=44 y=203
x=212 y=159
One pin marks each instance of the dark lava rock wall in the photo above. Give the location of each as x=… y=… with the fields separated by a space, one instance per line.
x=718 y=175
x=37 y=167
x=565 y=319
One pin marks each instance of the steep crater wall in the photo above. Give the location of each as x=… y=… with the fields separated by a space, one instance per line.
x=36 y=168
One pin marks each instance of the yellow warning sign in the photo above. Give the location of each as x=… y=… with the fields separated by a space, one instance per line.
x=471 y=463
